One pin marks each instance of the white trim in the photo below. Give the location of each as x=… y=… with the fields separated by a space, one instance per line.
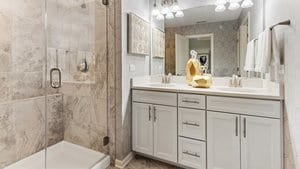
x=211 y=35
x=122 y=163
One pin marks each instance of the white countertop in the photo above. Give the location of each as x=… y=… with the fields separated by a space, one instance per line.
x=255 y=93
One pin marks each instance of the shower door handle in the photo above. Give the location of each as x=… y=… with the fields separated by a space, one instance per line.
x=55 y=85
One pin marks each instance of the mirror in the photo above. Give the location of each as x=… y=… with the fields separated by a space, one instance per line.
x=219 y=38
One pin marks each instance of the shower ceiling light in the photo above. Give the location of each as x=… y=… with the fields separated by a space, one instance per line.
x=169 y=8
x=233 y=4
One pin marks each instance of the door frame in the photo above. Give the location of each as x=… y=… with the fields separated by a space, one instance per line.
x=211 y=36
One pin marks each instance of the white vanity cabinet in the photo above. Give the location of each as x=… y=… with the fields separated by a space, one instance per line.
x=154 y=127
x=207 y=132
x=241 y=141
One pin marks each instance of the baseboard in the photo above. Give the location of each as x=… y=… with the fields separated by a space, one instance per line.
x=122 y=163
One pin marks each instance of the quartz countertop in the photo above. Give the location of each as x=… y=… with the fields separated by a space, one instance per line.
x=254 y=93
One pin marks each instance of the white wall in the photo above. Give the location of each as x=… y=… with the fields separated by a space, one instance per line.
x=289 y=38
x=141 y=64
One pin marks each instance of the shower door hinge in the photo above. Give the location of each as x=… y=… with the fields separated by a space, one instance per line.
x=105 y=2
x=105 y=141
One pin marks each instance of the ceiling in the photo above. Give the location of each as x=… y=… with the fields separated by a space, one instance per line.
x=201 y=10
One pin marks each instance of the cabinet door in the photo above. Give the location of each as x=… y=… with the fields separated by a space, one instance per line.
x=142 y=128
x=260 y=143
x=223 y=141
x=165 y=132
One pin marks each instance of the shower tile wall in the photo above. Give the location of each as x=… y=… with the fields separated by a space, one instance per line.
x=77 y=31
x=22 y=100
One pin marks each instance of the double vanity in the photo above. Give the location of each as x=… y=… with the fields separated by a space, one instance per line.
x=217 y=128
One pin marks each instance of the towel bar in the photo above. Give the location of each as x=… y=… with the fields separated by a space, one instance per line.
x=287 y=22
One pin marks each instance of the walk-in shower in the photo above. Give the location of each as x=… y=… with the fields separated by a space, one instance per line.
x=53 y=84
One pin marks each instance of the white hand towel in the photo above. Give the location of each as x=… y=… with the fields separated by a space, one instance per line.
x=276 y=59
x=250 y=56
x=263 y=57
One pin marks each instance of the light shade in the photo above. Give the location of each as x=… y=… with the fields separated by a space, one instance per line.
x=160 y=17
x=179 y=14
x=220 y=2
x=234 y=6
x=235 y=1
x=175 y=8
x=247 y=4
x=169 y=15
x=165 y=10
x=220 y=8
x=155 y=12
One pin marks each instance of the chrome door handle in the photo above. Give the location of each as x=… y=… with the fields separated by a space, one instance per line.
x=55 y=85
x=191 y=124
x=245 y=128
x=236 y=126
x=191 y=154
x=149 y=111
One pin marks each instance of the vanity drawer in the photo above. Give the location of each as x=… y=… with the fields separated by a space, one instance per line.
x=265 y=108
x=162 y=98
x=191 y=101
x=191 y=123
x=192 y=153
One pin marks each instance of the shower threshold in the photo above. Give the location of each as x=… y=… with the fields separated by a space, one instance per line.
x=64 y=155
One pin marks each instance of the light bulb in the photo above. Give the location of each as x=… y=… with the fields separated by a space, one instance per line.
x=155 y=12
x=220 y=2
x=235 y=1
x=169 y=15
x=247 y=4
x=234 y=6
x=175 y=8
x=160 y=17
x=165 y=10
x=179 y=14
x=220 y=8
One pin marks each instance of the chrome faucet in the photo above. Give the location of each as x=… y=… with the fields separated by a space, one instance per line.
x=235 y=81
x=166 y=79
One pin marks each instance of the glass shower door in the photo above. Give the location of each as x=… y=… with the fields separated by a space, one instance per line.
x=22 y=84
x=77 y=84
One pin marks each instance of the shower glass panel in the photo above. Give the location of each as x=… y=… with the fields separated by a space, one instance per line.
x=76 y=84
x=22 y=84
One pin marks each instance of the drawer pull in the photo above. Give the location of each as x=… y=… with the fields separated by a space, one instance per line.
x=154 y=111
x=190 y=101
x=191 y=124
x=150 y=113
x=191 y=154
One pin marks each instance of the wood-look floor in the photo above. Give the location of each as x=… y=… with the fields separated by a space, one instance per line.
x=140 y=162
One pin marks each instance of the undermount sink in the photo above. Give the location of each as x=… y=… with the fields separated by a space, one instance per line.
x=161 y=85
x=240 y=89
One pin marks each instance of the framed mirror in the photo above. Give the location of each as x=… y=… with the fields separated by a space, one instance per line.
x=219 y=36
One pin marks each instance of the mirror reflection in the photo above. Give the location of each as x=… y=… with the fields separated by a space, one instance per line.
x=218 y=33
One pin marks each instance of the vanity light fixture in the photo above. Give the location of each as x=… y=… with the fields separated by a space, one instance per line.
x=233 y=4
x=169 y=9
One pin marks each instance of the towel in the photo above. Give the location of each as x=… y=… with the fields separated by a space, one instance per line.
x=264 y=52
x=250 y=56
x=276 y=60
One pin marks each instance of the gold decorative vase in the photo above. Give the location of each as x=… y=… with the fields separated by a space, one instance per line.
x=193 y=68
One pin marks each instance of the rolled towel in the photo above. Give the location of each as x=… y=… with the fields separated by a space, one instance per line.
x=264 y=52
